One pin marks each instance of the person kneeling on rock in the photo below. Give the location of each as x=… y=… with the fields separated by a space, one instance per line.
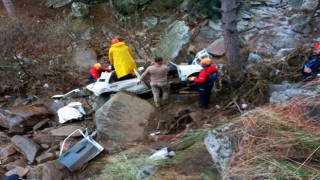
x=95 y=72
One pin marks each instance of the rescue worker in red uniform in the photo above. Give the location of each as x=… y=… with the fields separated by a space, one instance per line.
x=205 y=81
x=95 y=72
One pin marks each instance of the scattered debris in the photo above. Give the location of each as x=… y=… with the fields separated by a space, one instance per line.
x=162 y=154
x=76 y=93
x=107 y=83
x=146 y=171
x=155 y=133
x=72 y=111
x=82 y=152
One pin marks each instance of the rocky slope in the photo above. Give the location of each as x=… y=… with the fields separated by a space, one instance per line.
x=31 y=136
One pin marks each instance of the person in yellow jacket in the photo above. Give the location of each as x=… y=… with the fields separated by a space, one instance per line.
x=121 y=57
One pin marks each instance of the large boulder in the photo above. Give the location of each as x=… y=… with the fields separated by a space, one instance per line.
x=217 y=47
x=17 y=118
x=218 y=143
x=174 y=42
x=123 y=117
x=85 y=58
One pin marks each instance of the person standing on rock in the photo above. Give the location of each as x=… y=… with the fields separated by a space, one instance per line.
x=158 y=81
x=121 y=57
x=311 y=69
x=205 y=81
x=95 y=72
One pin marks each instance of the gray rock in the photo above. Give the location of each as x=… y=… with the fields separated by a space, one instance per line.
x=218 y=144
x=44 y=138
x=262 y=24
x=167 y=20
x=309 y=5
x=79 y=9
x=217 y=26
x=96 y=1
x=26 y=146
x=123 y=117
x=100 y=101
x=298 y=23
x=276 y=25
x=151 y=22
x=285 y=91
x=41 y=124
x=190 y=20
x=53 y=170
x=302 y=27
x=242 y=25
x=35 y=172
x=31 y=115
x=18 y=170
x=57 y=3
x=206 y=33
x=12 y=163
x=85 y=58
x=186 y=6
x=283 y=41
x=4 y=136
x=174 y=40
x=67 y=130
x=255 y=3
x=273 y=2
x=7 y=161
x=11 y=121
x=217 y=47
x=45 y=157
x=7 y=151
x=243 y=14
x=124 y=7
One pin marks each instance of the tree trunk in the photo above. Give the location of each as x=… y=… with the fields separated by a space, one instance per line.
x=231 y=41
x=9 y=7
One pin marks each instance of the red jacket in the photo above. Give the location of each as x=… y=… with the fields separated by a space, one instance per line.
x=96 y=73
x=204 y=73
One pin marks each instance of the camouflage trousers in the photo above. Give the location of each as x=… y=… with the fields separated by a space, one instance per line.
x=160 y=93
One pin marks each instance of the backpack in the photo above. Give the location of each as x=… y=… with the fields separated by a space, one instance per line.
x=211 y=79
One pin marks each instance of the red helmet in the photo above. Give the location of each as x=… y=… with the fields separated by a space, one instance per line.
x=114 y=41
x=317 y=45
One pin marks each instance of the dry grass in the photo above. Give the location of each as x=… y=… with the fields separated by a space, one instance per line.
x=172 y=175
x=277 y=142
